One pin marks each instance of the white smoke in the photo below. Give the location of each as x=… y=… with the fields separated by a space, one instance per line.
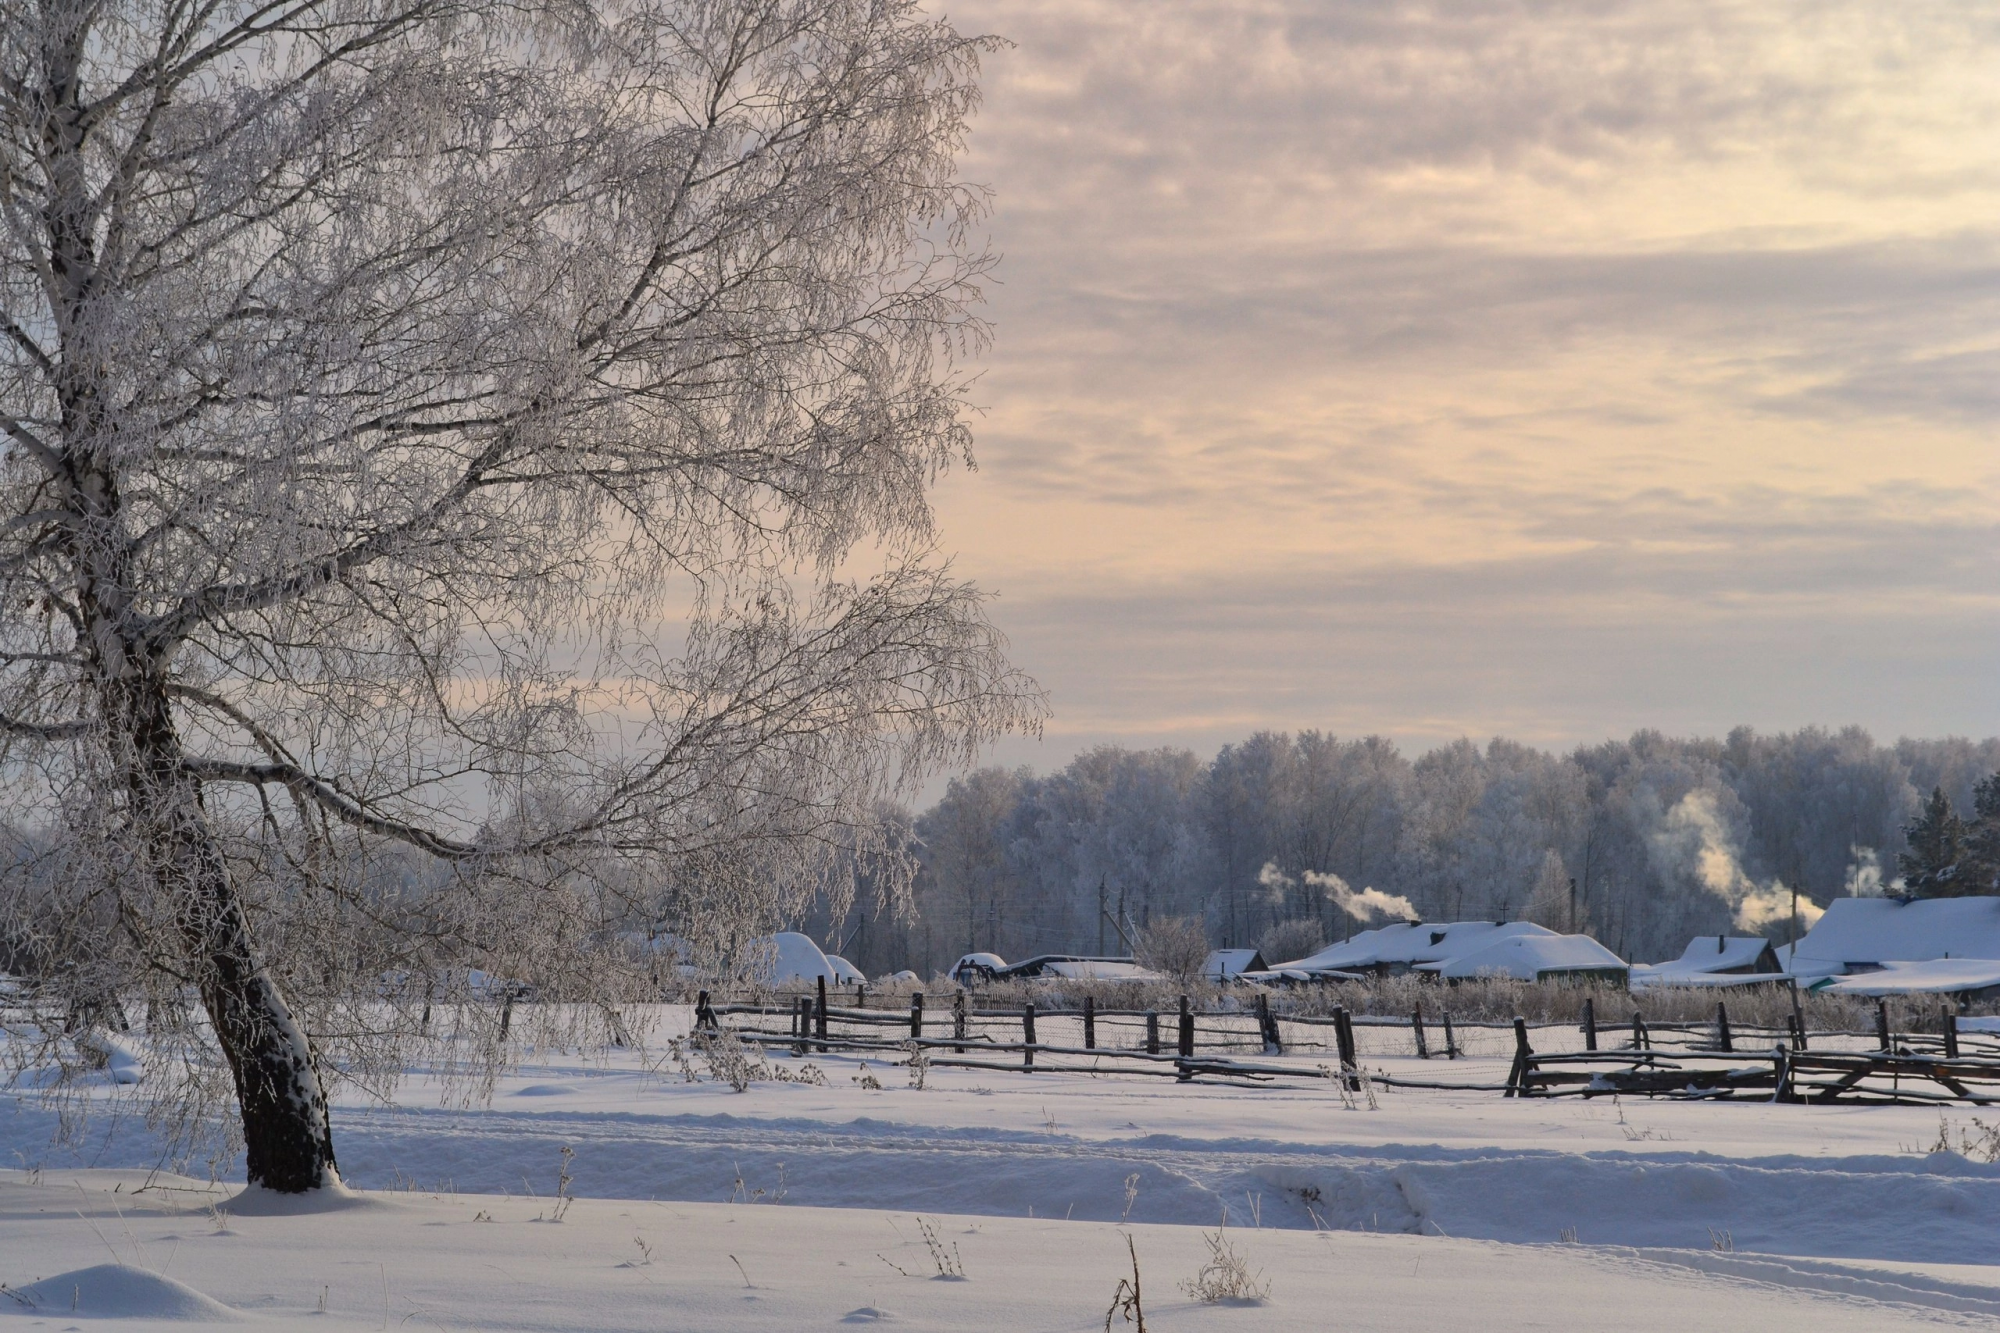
x=1275 y=882
x=1764 y=907
x=1365 y=904
x=1694 y=838
x=1864 y=874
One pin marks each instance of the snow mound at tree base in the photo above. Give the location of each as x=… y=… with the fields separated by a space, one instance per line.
x=257 y=1201
x=117 y=1291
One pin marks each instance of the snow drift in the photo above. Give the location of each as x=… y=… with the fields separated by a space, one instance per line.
x=119 y=1291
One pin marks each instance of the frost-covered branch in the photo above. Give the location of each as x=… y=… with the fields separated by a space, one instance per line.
x=478 y=421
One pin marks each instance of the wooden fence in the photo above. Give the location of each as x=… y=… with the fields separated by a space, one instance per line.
x=1632 y=1057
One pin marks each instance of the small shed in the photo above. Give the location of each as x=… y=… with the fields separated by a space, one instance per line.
x=1727 y=953
x=1715 y=960
x=1226 y=963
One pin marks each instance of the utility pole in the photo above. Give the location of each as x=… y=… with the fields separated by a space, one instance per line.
x=1100 y=916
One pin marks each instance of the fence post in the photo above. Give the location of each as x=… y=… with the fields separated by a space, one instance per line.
x=1417 y=1027
x=1267 y=1026
x=1642 y=1040
x=1152 y=1032
x=1722 y=1041
x=958 y=1022
x=1783 y=1091
x=1798 y=1015
x=1028 y=1035
x=1450 y=1039
x=801 y=1024
x=819 y=1016
x=1343 y=1036
x=1186 y=1043
x=1589 y=1024
x=1948 y=1020
x=916 y=1015
x=704 y=1017
x=1089 y=1023
x=1517 y=1076
x=1882 y=1024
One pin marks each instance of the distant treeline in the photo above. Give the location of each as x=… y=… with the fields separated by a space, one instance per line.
x=1644 y=842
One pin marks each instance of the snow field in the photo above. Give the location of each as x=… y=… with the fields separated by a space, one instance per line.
x=486 y=1262
x=1830 y=1217
x=1846 y=1182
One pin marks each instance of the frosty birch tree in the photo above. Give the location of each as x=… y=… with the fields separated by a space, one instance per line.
x=459 y=426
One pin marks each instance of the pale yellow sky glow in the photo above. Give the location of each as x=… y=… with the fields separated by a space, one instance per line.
x=1539 y=370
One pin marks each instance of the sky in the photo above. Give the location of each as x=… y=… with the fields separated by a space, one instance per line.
x=1547 y=371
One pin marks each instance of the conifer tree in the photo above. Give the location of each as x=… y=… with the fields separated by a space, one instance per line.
x=1979 y=866
x=1937 y=844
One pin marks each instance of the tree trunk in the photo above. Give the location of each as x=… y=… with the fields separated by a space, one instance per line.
x=288 y=1142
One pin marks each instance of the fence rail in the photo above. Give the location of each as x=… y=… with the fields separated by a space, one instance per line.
x=1683 y=1060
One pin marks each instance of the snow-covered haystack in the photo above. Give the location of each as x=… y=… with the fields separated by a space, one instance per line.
x=795 y=958
x=119 y=1291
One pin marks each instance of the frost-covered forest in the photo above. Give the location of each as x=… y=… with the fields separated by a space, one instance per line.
x=1664 y=839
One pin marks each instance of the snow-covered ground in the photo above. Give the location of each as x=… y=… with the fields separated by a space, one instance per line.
x=1404 y=1216
x=458 y=1261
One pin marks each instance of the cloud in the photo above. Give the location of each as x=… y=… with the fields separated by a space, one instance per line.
x=1510 y=366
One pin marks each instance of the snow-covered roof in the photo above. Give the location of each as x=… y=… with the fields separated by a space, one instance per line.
x=1407 y=943
x=1529 y=957
x=1713 y=960
x=1938 y=976
x=1803 y=967
x=1098 y=969
x=1882 y=930
x=1718 y=953
x=1285 y=976
x=1645 y=976
x=1229 y=962
x=1075 y=967
x=844 y=972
